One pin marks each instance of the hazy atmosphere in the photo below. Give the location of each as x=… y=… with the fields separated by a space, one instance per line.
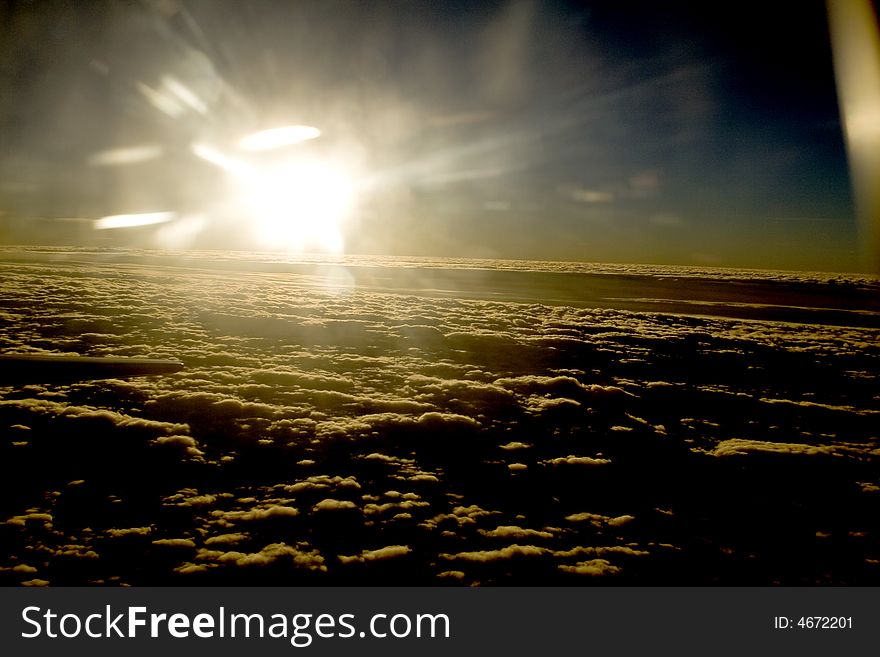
x=593 y=131
x=439 y=293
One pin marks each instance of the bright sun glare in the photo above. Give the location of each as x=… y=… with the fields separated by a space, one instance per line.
x=297 y=205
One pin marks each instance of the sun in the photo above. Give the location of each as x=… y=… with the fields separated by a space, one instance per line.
x=298 y=205
x=295 y=204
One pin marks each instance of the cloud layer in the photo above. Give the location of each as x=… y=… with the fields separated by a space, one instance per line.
x=370 y=434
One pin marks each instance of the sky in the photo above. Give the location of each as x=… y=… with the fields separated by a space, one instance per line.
x=586 y=131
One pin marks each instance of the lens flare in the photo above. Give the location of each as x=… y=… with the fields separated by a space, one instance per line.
x=230 y=165
x=266 y=140
x=122 y=156
x=133 y=220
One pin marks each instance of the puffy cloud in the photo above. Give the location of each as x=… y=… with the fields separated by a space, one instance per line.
x=538 y=404
x=334 y=505
x=301 y=379
x=806 y=404
x=600 y=550
x=274 y=511
x=75 y=551
x=322 y=482
x=577 y=460
x=300 y=556
x=513 y=445
x=32 y=517
x=514 y=532
x=24 y=568
x=556 y=386
x=740 y=447
x=375 y=456
x=382 y=554
x=460 y=516
x=190 y=497
x=410 y=407
x=451 y=574
x=600 y=520
x=175 y=542
x=423 y=477
x=397 y=505
x=593 y=567
x=227 y=539
x=182 y=441
x=446 y=421
x=129 y=531
x=509 y=552
x=95 y=418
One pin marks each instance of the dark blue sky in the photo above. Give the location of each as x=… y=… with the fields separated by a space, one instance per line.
x=598 y=131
